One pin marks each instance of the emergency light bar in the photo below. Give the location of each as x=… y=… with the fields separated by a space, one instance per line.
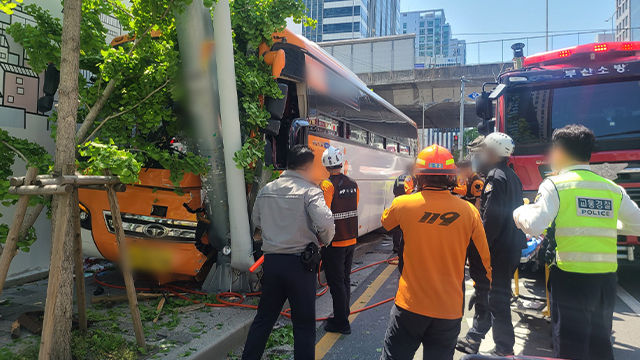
x=622 y=49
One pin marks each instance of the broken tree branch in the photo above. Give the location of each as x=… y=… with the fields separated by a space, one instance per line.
x=16 y=151
x=124 y=111
x=95 y=109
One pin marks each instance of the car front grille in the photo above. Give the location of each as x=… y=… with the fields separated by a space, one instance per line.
x=154 y=228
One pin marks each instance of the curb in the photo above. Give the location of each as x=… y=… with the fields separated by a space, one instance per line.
x=237 y=336
x=219 y=349
x=27 y=277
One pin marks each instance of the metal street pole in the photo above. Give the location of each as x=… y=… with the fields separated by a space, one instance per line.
x=610 y=19
x=195 y=28
x=424 y=139
x=547 y=28
x=461 y=136
x=241 y=241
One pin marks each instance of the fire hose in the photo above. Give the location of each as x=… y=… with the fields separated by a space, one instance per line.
x=224 y=298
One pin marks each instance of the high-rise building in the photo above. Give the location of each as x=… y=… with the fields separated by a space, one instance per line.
x=355 y=19
x=435 y=46
x=627 y=20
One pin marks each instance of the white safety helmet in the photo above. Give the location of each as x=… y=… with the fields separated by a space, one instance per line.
x=501 y=143
x=332 y=157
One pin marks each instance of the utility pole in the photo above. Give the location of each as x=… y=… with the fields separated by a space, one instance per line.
x=195 y=28
x=547 y=28
x=610 y=19
x=241 y=241
x=424 y=138
x=461 y=136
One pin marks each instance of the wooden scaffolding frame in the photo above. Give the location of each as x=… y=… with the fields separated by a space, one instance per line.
x=65 y=187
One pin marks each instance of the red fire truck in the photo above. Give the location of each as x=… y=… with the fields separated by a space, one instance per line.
x=596 y=85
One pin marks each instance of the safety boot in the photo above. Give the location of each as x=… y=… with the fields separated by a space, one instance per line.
x=330 y=327
x=496 y=352
x=467 y=345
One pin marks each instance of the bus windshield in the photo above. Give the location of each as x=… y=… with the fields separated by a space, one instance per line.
x=611 y=110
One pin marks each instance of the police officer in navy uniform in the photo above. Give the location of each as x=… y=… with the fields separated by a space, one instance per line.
x=502 y=194
x=341 y=195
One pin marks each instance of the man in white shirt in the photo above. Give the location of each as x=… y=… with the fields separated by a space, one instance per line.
x=583 y=213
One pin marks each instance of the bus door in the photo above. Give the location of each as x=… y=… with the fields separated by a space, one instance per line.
x=288 y=128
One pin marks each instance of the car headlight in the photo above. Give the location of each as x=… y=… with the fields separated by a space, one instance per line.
x=85 y=216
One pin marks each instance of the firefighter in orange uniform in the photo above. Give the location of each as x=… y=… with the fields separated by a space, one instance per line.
x=438 y=228
x=470 y=184
x=341 y=195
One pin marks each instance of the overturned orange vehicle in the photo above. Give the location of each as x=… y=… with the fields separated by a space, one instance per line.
x=163 y=240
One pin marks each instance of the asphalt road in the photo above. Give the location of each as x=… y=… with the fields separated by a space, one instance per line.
x=378 y=283
x=532 y=332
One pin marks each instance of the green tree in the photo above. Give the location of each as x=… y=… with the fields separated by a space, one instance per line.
x=7 y=6
x=127 y=100
x=253 y=23
x=470 y=135
x=126 y=105
x=125 y=108
x=59 y=306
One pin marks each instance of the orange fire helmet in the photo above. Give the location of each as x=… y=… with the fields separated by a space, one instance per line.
x=435 y=160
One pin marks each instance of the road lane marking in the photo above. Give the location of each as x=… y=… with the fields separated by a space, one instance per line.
x=629 y=300
x=329 y=339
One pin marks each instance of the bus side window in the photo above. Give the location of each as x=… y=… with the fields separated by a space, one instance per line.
x=376 y=141
x=341 y=129
x=358 y=134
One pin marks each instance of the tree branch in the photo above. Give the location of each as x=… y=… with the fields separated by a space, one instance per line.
x=16 y=151
x=95 y=110
x=123 y=9
x=139 y=38
x=99 y=84
x=125 y=111
x=108 y=90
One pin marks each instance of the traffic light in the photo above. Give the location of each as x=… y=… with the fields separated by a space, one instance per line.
x=455 y=141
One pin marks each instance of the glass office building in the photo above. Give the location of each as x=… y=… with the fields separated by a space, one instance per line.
x=627 y=20
x=356 y=19
x=435 y=46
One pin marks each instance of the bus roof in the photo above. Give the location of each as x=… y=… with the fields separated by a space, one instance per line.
x=287 y=36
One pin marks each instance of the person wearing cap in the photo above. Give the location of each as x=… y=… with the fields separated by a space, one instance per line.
x=291 y=215
x=341 y=195
x=583 y=214
x=501 y=195
x=470 y=184
x=438 y=227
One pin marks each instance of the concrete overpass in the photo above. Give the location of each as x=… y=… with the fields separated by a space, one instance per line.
x=437 y=88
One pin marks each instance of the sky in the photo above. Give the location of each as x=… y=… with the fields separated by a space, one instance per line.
x=499 y=16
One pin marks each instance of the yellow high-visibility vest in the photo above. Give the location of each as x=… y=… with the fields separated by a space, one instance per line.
x=586 y=228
